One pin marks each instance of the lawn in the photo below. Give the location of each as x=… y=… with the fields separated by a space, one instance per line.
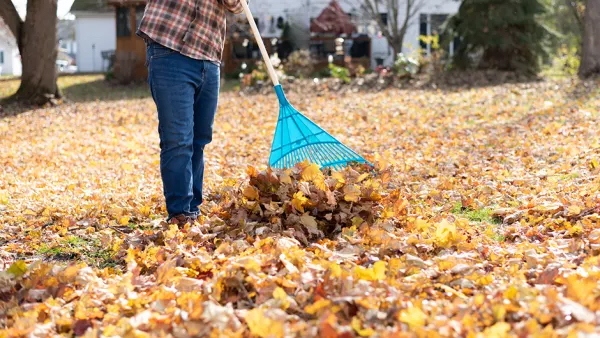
x=481 y=218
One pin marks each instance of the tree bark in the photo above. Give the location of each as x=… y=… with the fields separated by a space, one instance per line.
x=590 y=60
x=38 y=47
x=11 y=17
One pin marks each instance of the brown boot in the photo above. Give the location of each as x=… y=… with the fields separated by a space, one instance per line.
x=181 y=220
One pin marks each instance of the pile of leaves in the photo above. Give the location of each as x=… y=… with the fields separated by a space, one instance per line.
x=301 y=200
x=480 y=219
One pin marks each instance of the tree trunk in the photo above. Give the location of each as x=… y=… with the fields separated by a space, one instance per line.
x=397 y=49
x=38 y=48
x=590 y=60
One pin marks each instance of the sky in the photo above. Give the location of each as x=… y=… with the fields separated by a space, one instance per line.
x=63 y=7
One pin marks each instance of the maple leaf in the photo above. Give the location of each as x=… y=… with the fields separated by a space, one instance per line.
x=445 y=234
x=251 y=193
x=413 y=316
x=299 y=201
x=262 y=326
x=357 y=326
x=17 y=269
x=351 y=193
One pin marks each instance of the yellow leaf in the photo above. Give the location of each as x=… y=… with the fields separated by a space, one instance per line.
x=421 y=224
x=357 y=326
x=499 y=330
x=380 y=269
x=413 y=316
x=320 y=184
x=251 y=171
x=299 y=200
x=574 y=210
x=251 y=193
x=594 y=164
x=445 y=234
x=362 y=177
x=127 y=166
x=124 y=220
x=364 y=273
x=263 y=326
x=485 y=280
x=511 y=293
x=351 y=193
x=18 y=268
x=282 y=296
x=311 y=172
x=317 y=306
x=3 y=197
x=249 y=264
x=145 y=210
x=285 y=178
x=336 y=270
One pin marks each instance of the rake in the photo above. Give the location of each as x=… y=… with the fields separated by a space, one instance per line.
x=297 y=138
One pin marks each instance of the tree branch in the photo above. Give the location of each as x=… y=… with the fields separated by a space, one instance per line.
x=573 y=6
x=11 y=17
x=373 y=11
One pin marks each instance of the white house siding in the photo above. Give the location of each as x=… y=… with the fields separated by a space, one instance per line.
x=299 y=13
x=11 y=64
x=95 y=33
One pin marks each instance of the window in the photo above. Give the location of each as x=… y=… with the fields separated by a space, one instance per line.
x=384 y=18
x=139 y=14
x=123 y=22
x=1 y=57
x=423 y=30
x=431 y=25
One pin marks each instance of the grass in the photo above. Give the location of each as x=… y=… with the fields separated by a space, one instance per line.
x=475 y=215
x=88 y=250
x=92 y=87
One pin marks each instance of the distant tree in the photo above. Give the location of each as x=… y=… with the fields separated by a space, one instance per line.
x=505 y=33
x=36 y=37
x=393 y=18
x=590 y=60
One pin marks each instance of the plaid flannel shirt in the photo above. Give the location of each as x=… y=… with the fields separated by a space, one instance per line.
x=194 y=28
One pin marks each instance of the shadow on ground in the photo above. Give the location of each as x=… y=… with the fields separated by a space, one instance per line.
x=81 y=88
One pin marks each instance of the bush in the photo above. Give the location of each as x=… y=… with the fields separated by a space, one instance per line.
x=405 y=66
x=506 y=33
x=340 y=72
x=299 y=64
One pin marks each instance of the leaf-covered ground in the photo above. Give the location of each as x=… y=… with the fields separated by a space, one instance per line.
x=482 y=219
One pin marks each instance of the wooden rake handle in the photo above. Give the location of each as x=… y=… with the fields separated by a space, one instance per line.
x=261 y=43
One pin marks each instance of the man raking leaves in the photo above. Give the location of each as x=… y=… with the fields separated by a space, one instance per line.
x=185 y=42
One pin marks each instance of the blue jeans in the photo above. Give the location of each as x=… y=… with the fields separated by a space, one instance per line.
x=186 y=93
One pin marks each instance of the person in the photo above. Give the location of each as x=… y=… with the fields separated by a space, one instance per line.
x=184 y=47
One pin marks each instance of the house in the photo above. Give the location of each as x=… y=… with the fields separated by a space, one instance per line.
x=428 y=19
x=95 y=34
x=67 y=37
x=130 y=55
x=271 y=17
x=10 y=59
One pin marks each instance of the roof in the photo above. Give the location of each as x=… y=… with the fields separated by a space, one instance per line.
x=6 y=34
x=333 y=20
x=90 y=6
x=120 y=3
x=66 y=29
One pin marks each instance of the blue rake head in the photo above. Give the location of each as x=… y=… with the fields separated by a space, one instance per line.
x=297 y=139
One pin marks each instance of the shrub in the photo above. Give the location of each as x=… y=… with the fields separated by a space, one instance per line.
x=340 y=72
x=405 y=66
x=506 y=33
x=299 y=64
